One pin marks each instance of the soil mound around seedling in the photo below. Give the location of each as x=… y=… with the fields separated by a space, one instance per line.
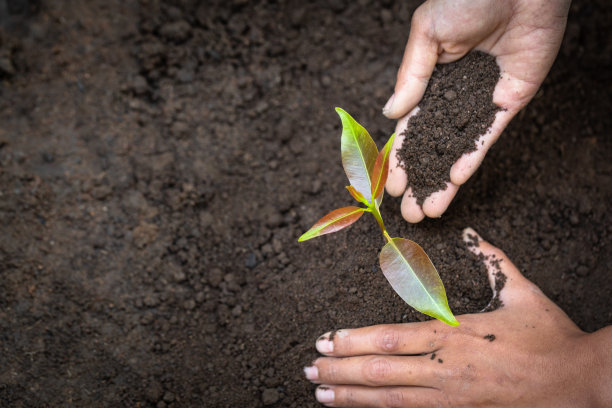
x=455 y=111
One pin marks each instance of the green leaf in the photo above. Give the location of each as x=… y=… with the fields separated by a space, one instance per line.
x=358 y=154
x=332 y=222
x=357 y=195
x=381 y=170
x=412 y=275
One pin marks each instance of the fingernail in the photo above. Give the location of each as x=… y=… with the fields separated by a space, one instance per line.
x=324 y=395
x=324 y=345
x=387 y=109
x=312 y=373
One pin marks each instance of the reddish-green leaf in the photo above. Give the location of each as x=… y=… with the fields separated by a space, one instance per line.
x=332 y=222
x=381 y=169
x=357 y=195
x=358 y=154
x=412 y=275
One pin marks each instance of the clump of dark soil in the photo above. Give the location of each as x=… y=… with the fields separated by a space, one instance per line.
x=500 y=277
x=159 y=160
x=455 y=111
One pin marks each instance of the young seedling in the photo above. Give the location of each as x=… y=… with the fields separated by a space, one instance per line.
x=404 y=263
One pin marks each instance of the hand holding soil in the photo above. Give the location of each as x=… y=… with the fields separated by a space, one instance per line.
x=527 y=353
x=523 y=35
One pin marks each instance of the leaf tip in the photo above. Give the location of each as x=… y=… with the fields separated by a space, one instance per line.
x=451 y=321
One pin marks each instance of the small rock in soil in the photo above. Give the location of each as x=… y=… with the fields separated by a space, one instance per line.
x=184 y=75
x=215 y=276
x=206 y=219
x=179 y=129
x=250 y=261
x=139 y=85
x=154 y=391
x=151 y=300
x=582 y=270
x=237 y=311
x=178 y=275
x=270 y=396
x=6 y=67
x=169 y=396
x=101 y=192
x=144 y=234
x=274 y=219
x=296 y=16
x=177 y=31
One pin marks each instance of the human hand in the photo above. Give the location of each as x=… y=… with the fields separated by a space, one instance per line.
x=523 y=35
x=527 y=353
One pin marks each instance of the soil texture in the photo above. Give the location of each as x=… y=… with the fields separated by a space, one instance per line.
x=457 y=108
x=159 y=160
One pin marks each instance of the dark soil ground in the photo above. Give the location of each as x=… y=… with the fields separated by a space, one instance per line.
x=158 y=161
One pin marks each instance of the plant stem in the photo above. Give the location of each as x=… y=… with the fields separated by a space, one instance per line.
x=374 y=210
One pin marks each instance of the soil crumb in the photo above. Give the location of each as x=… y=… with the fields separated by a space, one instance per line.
x=332 y=335
x=473 y=241
x=455 y=111
x=500 y=282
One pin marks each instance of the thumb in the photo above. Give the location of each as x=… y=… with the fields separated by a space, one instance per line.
x=507 y=282
x=417 y=66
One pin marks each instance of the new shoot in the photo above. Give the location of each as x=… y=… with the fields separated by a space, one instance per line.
x=403 y=262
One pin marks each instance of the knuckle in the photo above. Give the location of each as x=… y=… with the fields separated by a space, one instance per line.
x=388 y=340
x=419 y=17
x=329 y=373
x=376 y=370
x=394 y=399
x=421 y=21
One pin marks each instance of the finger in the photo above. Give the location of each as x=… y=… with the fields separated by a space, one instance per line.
x=418 y=63
x=505 y=279
x=397 y=180
x=436 y=204
x=467 y=164
x=411 y=211
x=413 y=338
x=375 y=371
x=366 y=397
